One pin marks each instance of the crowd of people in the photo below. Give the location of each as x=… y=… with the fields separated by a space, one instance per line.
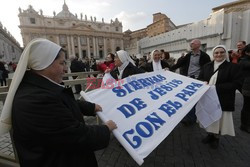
x=5 y=68
x=47 y=122
x=226 y=74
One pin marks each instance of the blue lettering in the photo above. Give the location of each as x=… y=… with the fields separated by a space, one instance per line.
x=156 y=79
x=153 y=96
x=196 y=84
x=141 y=127
x=187 y=92
x=167 y=88
x=177 y=81
x=161 y=77
x=144 y=82
x=167 y=109
x=119 y=91
x=172 y=85
x=182 y=96
x=136 y=85
x=160 y=91
x=136 y=139
x=155 y=120
x=128 y=88
x=175 y=104
x=191 y=88
x=150 y=80
x=138 y=103
x=127 y=110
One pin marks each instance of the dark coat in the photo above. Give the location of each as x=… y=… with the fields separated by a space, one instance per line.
x=244 y=62
x=228 y=80
x=77 y=66
x=184 y=63
x=4 y=71
x=149 y=66
x=48 y=126
x=128 y=71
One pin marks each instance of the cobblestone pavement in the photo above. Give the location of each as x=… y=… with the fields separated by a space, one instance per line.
x=182 y=148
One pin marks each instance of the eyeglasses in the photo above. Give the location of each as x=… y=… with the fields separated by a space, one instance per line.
x=222 y=52
x=157 y=54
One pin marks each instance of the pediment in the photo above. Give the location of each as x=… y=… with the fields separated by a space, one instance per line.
x=83 y=27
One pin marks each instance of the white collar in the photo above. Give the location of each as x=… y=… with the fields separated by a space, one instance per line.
x=52 y=81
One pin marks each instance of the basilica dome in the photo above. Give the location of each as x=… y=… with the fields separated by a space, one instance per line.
x=65 y=13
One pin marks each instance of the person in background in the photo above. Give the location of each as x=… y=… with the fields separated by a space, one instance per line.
x=136 y=59
x=191 y=65
x=193 y=61
x=47 y=121
x=181 y=69
x=76 y=66
x=226 y=77
x=148 y=56
x=230 y=52
x=155 y=63
x=14 y=65
x=93 y=65
x=142 y=64
x=124 y=66
x=244 y=62
x=236 y=55
x=166 y=57
x=108 y=63
x=4 y=74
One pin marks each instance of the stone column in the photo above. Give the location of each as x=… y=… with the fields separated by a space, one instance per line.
x=79 y=47
x=97 y=48
x=88 y=47
x=122 y=44
x=57 y=40
x=68 y=43
x=94 y=47
x=113 y=45
x=73 y=46
x=104 y=47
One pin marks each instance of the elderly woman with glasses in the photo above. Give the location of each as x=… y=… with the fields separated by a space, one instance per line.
x=226 y=77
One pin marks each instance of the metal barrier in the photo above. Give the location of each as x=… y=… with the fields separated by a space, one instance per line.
x=82 y=79
x=4 y=90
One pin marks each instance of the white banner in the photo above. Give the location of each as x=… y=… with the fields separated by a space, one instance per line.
x=208 y=109
x=146 y=107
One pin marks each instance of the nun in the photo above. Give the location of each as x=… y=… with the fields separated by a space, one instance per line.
x=46 y=120
x=155 y=63
x=124 y=66
x=226 y=78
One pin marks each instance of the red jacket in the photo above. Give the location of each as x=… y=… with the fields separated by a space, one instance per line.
x=103 y=66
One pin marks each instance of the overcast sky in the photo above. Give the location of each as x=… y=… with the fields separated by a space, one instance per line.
x=134 y=14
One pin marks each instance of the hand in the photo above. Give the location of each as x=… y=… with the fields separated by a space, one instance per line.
x=206 y=82
x=111 y=125
x=98 y=108
x=107 y=70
